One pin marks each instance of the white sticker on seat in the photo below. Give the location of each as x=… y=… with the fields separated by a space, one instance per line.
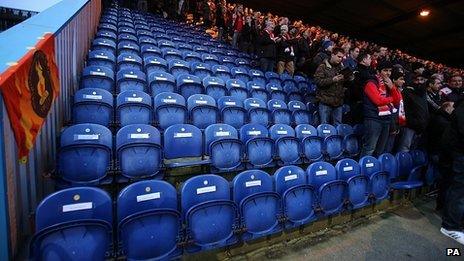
x=86 y=137
x=201 y=67
x=321 y=172
x=297 y=106
x=254 y=133
x=201 y=102
x=187 y=81
x=235 y=84
x=277 y=105
x=349 y=168
x=282 y=132
x=132 y=76
x=369 y=165
x=93 y=97
x=306 y=132
x=178 y=64
x=77 y=207
x=256 y=74
x=274 y=88
x=161 y=78
x=97 y=73
x=206 y=190
x=183 y=135
x=101 y=56
x=147 y=197
x=155 y=62
x=253 y=183
x=254 y=104
x=129 y=59
x=229 y=103
x=220 y=70
x=222 y=134
x=134 y=99
x=169 y=100
x=140 y=135
x=326 y=131
x=291 y=177
x=255 y=87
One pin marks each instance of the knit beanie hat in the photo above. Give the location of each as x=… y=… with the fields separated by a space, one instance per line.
x=396 y=73
x=384 y=65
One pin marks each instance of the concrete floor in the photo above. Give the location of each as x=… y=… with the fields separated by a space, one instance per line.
x=408 y=233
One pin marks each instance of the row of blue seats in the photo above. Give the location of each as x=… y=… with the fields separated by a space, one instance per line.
x=213 y=213
x=86 y=150
x=132 y=107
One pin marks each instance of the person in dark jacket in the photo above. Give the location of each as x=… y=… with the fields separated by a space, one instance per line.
x=330 y=91
x=322 y=55
x=417 y=112
x=454 y=91
x=266 y=47
x=285 y=51
x=433 y=94
x=453 y=212
x=362 y=74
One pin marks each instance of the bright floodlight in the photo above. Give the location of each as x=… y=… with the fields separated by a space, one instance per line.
x=424 y=12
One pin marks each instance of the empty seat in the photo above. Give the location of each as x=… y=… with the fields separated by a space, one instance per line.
x=201 y=70
x=155 y=64
x=300 y=114
x=210 y=216
x=149 y=224
x=184 y=47
x=169 y=109
x=419 y=158
x=202 y=110
x=171 y=54
x=280 y=112
x=258 y=91
x=188 y=85
x=272 y=77
x=291 y=88
x=93 y=105
x=100 y=77
x=133 y=107
x=232 y=111
x=325 y=130
x=73 y=224
x=129 y=61
x=240 y=73
x=135 y=144
x=215 y=87
x=237 y=89
x=275 y=91
x=131 y=80
x=358 y=192
x=210 y=59
x=287 y=145
x=126 y=38
x=257 y=111
x=260 y=206
x=228 y=61
x=302 y=84
x=258 y=76
x=178 y=67
x=187 y=137
x=102 y=58
x=85 y=153
x=259 y=147
x=331 y=192
x=166 y=44
x=150 y=50
x=409 y=177
x=223 y=147
x=298 y=198
x=221 y=71
x=242 y=62
x=191 y=56
x=378 y=178
x=333 y=147
x=102 y=44
x=159 y=82
x=128 y=48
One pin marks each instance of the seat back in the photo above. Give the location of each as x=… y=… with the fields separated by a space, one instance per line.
x=203 y=110
x=153 y=64
x=251 y=182
x=305 y=130
x=185 y=136
x=369 y=166
x=133 y=107
x=131 y=80
x=219 y=131
x=189 y=85
x=344 y=130
x=215 y=87
x=405 y=164
x=98 y=77
x=320 y=173
x=288 y=177
x=93 y=105
x=347 y=168
x=160 y=81
x=325 y=130
x=281 y=130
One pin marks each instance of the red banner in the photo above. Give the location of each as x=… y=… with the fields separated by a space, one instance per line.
x=29 y=89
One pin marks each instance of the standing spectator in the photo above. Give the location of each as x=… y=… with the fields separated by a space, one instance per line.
x=417 y=112
x=350 y=60
x=330 y=91
x=322 y=55
x=380 y=97
x=266 y=49
x=237 y=24
x=454 y=91
x=362 y=74
x=303 y=48
x=433 y=94
x=398 y=115
x=285 y=52
x=247 y=36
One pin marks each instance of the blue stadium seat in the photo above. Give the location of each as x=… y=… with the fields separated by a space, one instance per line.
x=171 y=54
x=107 y=25
x=272 y=77
x=178 y=67
x=257 y=111
x=129 y=61
x=300 y=114
x=232 y=111
x=169 y=109
x=290 y=86
x=287 y=145
x=260 y=206
x=102 y=44
x=237 y=89
x=85 y=153
x=145 y=37
x=73 y=224
x=344 y=130
x=280 y=112
x=182 y=46
x=419 y=158
x=211 y=218
x=202 y=110
x=191 y=56
x=106 y=34
x=325 y=130
x=258 y=76
x=188 y=85
x=358 y=192
x=223 y=147
x=221 y=71
x=388 y=163
x=215 y=87
x=135 y=144
x=98 y=77
x=102 y=58
x=159 y=82
x=128 y=48
x=258 y=91
x=210 y=59
x=155 y=64
x=276 y=92
x=201 y=69
x=187 y=137
x=228 y=61
x=409 y=177
x=259 y=147
x=131 y=80
x=242 y=62
x=240 y=73
x=149 y=224
x=201 y=49
x=378 y=178
x=133 y=107
x=331 y=192
x=127 y=30
x=166 y=44
x=298 y=198
x=333 y=147
x=302 y=84
x=92 y=105
x=150 y=50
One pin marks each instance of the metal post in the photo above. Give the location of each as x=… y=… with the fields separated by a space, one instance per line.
x=4 y=228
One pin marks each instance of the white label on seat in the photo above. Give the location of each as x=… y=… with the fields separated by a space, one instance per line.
x=147 y=197
x=86 y=137
x=326 y=131
x=254 y=133
x=187 y=81
x=178 y=64
x=77 y=207
x=274 y=88
x=201 y=67
x=101 y=56
x=255 y=87
x=97 y=73
x=256 y=74
x=321 y=172
x=291 y=177
x=235 y=84
x=169 y=100
x=206 y=190
x=104 y=43
x=297 y=106
x=282 y=132
x=222 y=134
x=277 y=106
x=183 y=135
x=369 y=165
x=253 y=183
x=349 y=168
x=230 y=103
x=254 y=104
x=171 y=52
x=134 y=99
x=132 y=76
x=92 y=97
x=155 y=62
x=129 y=59
x=201 y=102
x=161 y=78
x=220 y=70
x=140 y=135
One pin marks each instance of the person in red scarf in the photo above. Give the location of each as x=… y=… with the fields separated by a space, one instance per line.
x=266 y=47
x=238 y=23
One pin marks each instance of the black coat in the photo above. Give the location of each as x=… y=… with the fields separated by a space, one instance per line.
x=416 y=108
x=453 y=137
x=266 y=47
